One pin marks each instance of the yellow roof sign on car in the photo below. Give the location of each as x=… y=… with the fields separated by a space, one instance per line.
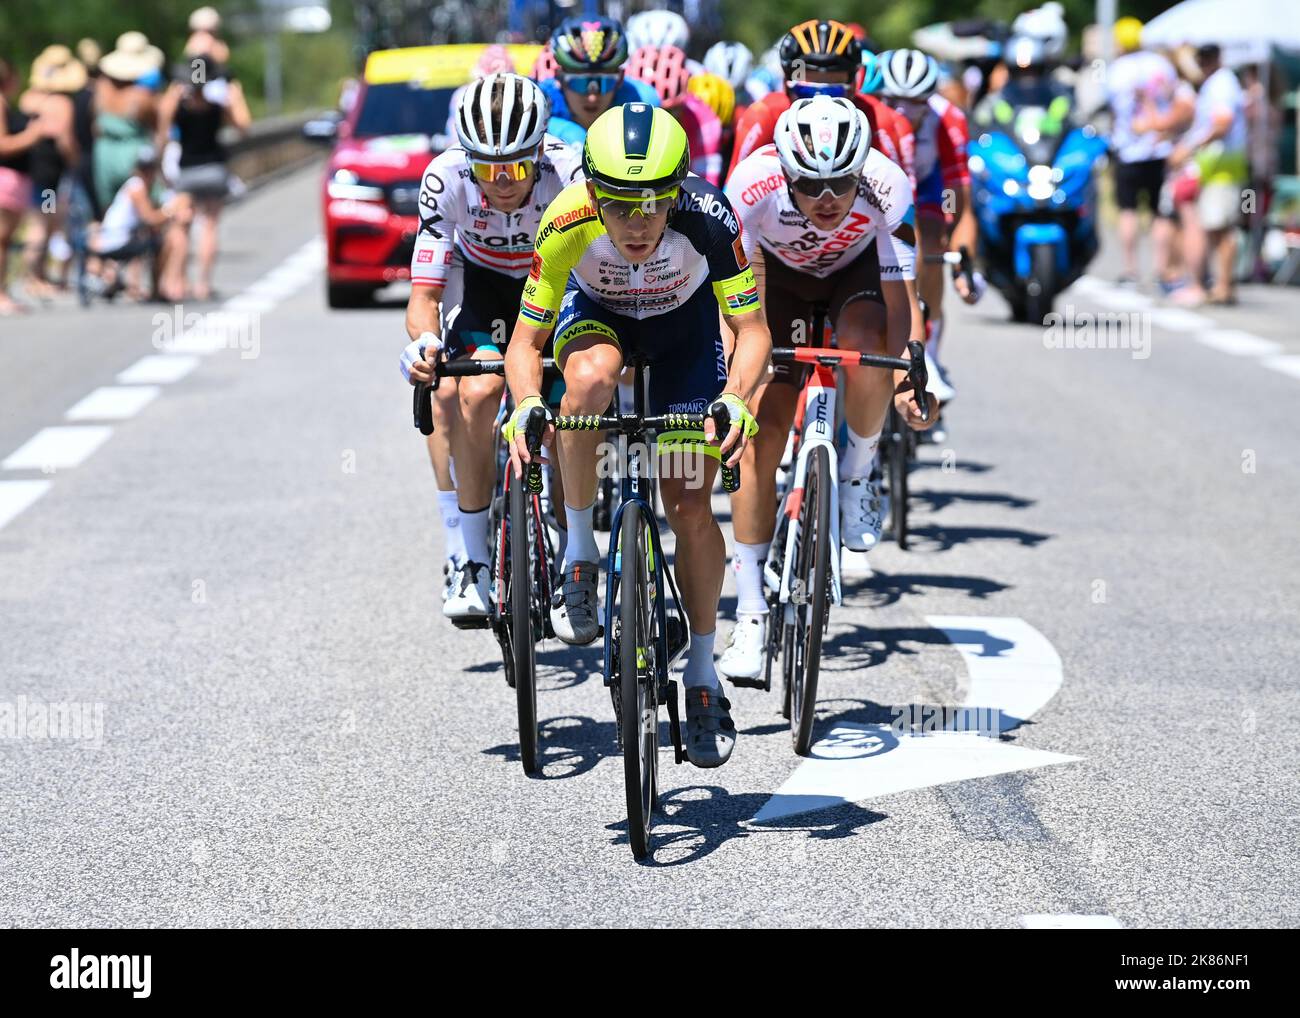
x=438 y=66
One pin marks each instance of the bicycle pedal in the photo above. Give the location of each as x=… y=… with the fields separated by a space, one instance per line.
x=757 y=682
x=483 y=622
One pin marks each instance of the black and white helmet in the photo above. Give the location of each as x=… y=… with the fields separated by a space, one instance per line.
x=823 y=137
x=731 y=61
x=520 y=124
x=908 y=74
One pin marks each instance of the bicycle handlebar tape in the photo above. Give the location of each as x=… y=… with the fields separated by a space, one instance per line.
x=578 y=422
x=533 y=437
x=919 y=377
x=423 y=409
x=722 y=424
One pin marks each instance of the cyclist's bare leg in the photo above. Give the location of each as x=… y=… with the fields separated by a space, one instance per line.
x=934 y=240
x=480 y=398
x=753 y=505
x=591 y=366
x=701 y=550
x=862 y=326
x=439 y=443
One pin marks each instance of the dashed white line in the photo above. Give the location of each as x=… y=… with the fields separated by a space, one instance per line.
x=15 y=496
x=158 y=369
x=1288 y=364
x=1238 y=343
x=57 y=448
x=1180 y=320
x=113 y=403
x=1049 y=921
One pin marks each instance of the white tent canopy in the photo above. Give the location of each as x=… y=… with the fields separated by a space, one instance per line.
x=1245 y=29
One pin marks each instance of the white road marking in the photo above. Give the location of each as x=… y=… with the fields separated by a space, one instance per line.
x=57 y=448
x=158 y=369
x=113 y=403
x=1180 y=320
x=1238 y=343
x=859 y=762
x=1048 y=921
x=15 y=496
x=1011 y=667
x=1288 y=364
x=250 y=303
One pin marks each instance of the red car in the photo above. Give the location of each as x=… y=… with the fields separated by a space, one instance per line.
x=396 y=124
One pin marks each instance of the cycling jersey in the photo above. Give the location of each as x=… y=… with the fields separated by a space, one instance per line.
x=941 y=141
x=568 y=130
x=701 y=244
x=899 y=129
x=704 y=135
x=758 y=126
x=454 y=211
x=759 y=192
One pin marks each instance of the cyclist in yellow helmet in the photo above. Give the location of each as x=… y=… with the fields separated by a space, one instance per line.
x=639 y=259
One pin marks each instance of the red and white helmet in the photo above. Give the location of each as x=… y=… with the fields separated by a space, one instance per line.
x=663 y=69
x=823 y=137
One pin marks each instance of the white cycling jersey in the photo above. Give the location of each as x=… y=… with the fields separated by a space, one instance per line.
x=455 y=212
x=758 y=191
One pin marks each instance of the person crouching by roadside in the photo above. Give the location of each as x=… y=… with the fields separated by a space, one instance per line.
x=132 y=225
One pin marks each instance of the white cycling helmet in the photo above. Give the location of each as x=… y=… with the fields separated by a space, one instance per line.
x=1046 y=24
x=908 y=74
x=657 y=29
x=822 y=137
x=519 y=127
x=730 y=61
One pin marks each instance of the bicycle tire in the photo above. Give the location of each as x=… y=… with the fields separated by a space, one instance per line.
x=812 y=569
x=638 y=706
x=522 y=644
x=898 y=470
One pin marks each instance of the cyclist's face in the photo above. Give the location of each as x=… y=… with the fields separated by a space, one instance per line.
x=593 y=100
x=827 y=211
x=913 y=109
x=634 y=231
x=809 y=76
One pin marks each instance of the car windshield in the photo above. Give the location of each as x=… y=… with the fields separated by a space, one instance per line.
x=401 y=108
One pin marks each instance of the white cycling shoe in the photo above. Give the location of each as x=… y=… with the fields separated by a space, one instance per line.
x=938 y=382
x=467 y=599
x=862 y=511
x=743 y=658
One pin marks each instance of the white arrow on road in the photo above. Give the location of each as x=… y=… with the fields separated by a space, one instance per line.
x=1012 y=668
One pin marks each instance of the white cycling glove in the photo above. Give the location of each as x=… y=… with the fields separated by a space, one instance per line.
x=415 y=352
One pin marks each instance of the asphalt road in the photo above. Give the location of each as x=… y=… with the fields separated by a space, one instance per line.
x=239 y=582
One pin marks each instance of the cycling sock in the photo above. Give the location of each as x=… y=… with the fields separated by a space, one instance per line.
x=699 y=663
x=748 y=563
x=859 y=454
x=582 y=536
x=474 y=528
x=935 y=337
x=452 y=538
x=561 y=543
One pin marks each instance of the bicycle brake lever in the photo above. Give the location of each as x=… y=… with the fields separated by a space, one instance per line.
x=919 y=377
x=422 y=409
x=722 y=425
x=533 y=428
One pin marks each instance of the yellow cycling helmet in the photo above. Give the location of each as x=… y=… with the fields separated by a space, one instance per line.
x=717 y=92
x=1128 y=34
x=636 y=150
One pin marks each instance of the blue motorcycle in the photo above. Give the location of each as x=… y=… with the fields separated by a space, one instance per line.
x=1035 y=197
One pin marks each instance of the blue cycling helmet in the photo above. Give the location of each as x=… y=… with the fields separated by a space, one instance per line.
x=589 y=45
x=872 y=74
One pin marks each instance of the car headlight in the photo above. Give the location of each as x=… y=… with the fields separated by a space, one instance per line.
x=347 y=185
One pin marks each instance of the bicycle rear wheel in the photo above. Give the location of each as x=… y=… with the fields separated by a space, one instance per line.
x=522 y=640
x=812 y=578
x=638 y=682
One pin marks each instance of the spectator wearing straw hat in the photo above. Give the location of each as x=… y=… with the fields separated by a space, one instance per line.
x=56 y=76
x=125 y=111
x=205 y=24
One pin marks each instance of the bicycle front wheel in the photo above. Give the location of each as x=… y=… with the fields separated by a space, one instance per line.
x=812 y=578
x=638 y=682
x=522 y=644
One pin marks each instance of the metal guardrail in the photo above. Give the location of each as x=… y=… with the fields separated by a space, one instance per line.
x=272 y=146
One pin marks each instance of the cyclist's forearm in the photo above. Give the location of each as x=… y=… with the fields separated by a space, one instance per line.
x=753 y=349
x=902 y=316
x=964 y=229
x=524 y=361
x=422 y=311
